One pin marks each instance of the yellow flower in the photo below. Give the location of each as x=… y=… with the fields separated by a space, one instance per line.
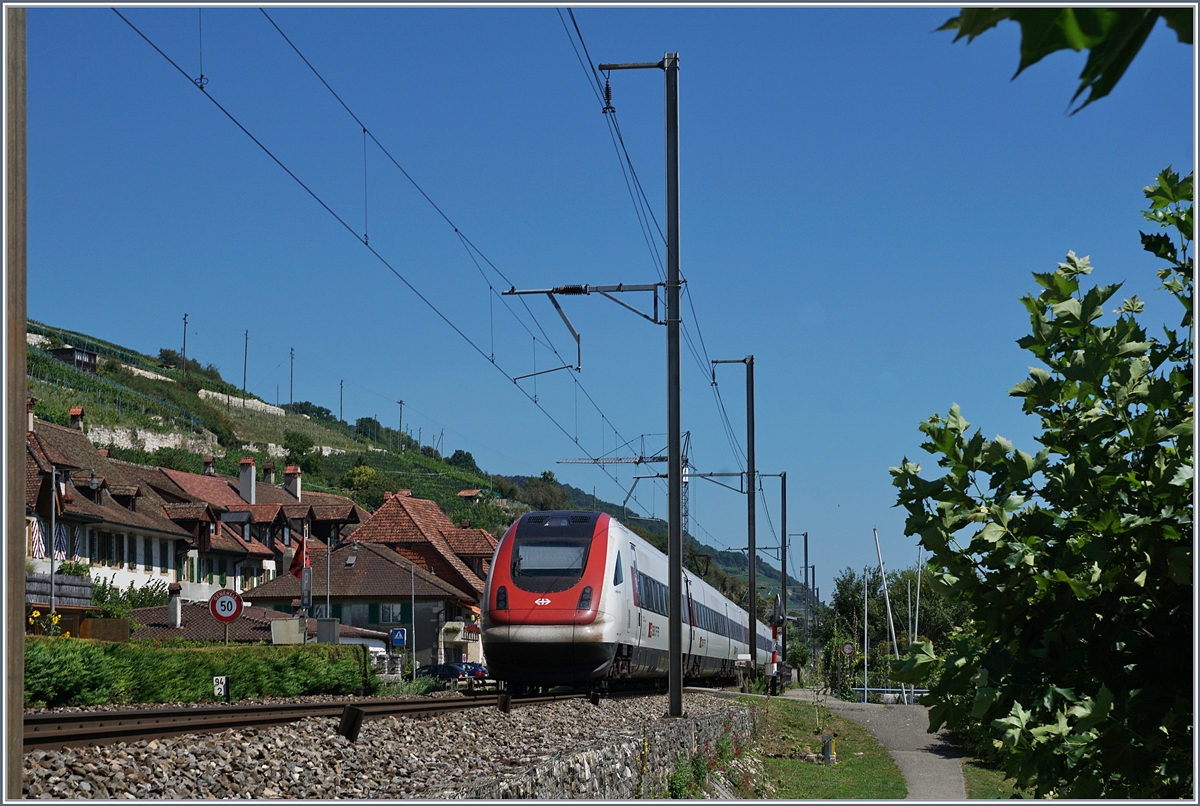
x=55 y=617
x=37 y=613
x=67 y=634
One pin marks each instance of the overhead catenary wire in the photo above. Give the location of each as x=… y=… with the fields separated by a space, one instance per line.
x=472 y=249
x=350 y=229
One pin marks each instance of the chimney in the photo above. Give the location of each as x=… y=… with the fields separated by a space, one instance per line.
x=29 y=401
x=77 y=417
x=291 y=480
x=104 y=452
x=209 y=466
x=246 y=483
x=174 y=605
x=269 y=473
x=466 y=524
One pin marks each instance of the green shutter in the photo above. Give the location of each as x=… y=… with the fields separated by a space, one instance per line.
x=373 y=613
x=337 y=610
x=406 y=612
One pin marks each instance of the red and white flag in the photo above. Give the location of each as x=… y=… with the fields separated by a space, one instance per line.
x=300 y=559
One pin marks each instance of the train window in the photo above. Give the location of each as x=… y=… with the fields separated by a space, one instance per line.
x=618 y=577
x=548 y=565
x=533 y=557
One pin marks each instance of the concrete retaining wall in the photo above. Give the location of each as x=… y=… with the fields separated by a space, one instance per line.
x=238 y=403
x=632 y=768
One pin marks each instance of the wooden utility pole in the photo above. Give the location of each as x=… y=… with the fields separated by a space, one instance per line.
x=15 y=355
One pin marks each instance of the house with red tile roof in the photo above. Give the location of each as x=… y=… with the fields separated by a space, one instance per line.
x=419 y=530
x=134 y=524
x=100 y=513
x=261 y=513
x=372 y=587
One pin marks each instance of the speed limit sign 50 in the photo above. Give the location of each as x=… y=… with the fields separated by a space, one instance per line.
x=225 y=605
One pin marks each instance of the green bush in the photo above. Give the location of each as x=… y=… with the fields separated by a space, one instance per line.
x=72 y=671
x=110 y=601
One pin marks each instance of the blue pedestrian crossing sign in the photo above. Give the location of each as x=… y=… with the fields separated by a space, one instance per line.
x=399 y=636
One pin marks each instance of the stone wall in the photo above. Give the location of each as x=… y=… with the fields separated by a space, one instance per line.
x=103 y=436
x=623 y=770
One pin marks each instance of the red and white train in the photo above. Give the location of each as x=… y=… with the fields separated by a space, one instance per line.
x=575 y=598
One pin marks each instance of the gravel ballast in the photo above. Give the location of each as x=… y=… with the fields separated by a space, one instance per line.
x=395 y=757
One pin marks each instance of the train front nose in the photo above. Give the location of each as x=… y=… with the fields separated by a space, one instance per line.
x=546 y=654
x=545 y=623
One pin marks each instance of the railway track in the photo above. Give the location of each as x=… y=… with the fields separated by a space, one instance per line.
x=81 y=728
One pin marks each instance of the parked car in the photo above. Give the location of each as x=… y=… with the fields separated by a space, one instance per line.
x=443 y=671
x=478 y=670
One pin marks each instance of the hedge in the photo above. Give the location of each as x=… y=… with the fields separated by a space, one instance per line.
x=74 y=671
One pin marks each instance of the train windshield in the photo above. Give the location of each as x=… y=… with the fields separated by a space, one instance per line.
x=550 y=553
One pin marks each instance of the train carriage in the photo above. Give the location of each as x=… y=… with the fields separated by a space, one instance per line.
x=575 y=598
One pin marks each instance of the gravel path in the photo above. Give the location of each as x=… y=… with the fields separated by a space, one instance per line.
x=424 y=757
x=930 y=765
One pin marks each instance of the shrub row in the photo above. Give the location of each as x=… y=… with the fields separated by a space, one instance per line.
x=73 y=671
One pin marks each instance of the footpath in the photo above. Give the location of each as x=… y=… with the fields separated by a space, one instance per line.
x=930 y=766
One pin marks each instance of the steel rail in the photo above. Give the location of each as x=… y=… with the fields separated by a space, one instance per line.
x=81 y=728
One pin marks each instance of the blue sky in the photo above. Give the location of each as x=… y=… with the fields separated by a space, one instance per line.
x=862 y=204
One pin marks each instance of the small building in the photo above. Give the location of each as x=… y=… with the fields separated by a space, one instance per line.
x=374 y=588
x=77 y=357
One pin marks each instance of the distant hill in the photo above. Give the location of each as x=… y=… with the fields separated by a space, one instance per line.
x=166 y=402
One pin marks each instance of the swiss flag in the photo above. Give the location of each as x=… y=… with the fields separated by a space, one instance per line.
x=300 y=559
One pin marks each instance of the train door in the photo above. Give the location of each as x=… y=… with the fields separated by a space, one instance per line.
x=689 y=619
x=634 y=618
x=730 y=651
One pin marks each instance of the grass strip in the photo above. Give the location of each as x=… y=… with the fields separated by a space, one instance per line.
x=865 y=769
x=985 y=782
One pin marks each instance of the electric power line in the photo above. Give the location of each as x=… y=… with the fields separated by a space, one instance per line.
x=357 y=237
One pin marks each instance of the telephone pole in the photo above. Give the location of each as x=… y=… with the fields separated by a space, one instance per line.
x=400 y=429
x=751 y=502
x=185 y=316
x=245 y=361
x=340 y=386
x=292 y=378
x=670 y=67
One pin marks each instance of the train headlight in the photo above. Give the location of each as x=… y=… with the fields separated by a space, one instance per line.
x=502 y=598
x=585 y=599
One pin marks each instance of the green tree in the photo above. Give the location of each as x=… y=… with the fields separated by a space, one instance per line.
x=1112 y=37
x=300 y=451
x=1076 y=560
x=359 y=477
x=464 y=459
x=544 y=493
